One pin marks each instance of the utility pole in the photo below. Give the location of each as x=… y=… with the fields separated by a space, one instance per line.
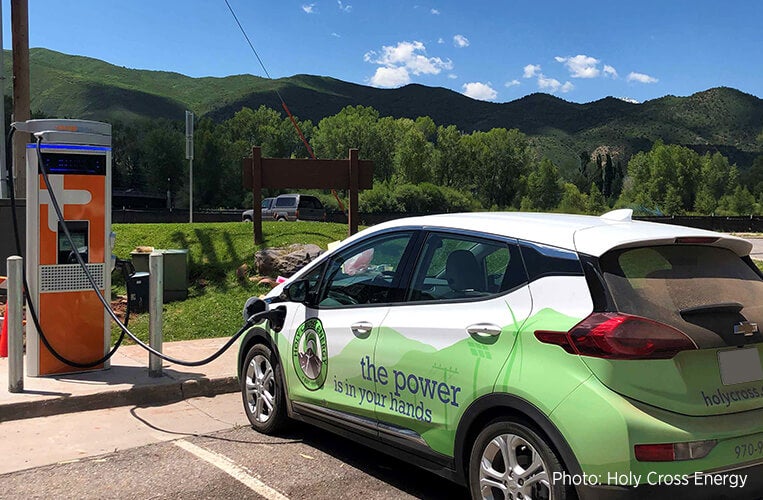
x=3 y=160
x=21 y=104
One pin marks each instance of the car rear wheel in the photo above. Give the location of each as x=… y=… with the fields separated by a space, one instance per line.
x=262 y=391
x=511 y=461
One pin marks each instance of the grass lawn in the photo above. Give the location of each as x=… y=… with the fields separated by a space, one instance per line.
x=215 y=251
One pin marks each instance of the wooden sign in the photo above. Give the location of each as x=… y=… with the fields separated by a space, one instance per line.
x=281 y=173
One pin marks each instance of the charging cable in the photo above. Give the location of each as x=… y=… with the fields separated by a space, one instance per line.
x=249 y=322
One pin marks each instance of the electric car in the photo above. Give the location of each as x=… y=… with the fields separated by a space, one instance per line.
x=527 y=355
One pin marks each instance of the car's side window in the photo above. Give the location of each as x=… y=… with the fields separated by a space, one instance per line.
x=367 y=273
x=288 y=201
x=313 y=278
x=465 y=267
x=543 y=260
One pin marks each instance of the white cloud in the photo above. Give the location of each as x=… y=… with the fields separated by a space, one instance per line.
x=335 y=34
x=641 y=78
x=343 y=6
x=629 y=99
x=440 y=40
x=581 y=66
x=481 y=91
x=553 y=85
x=609 y=71
x=308 y=8
x=460 y=41
x=435 y=12
x=411 y=55
x=453 y=76
x=390 y=77
x=531 y=70
x=512 y=83
x=400 y=61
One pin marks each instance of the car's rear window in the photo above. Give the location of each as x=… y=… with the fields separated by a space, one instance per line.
x=700 y=290
x=309 y=202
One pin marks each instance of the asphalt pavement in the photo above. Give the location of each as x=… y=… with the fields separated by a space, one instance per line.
x=757 y=248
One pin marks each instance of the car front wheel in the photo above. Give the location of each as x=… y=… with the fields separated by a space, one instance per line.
x=511 y=461
x=262 y=391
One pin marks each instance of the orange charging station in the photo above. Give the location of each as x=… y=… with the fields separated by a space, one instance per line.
x=77 y=158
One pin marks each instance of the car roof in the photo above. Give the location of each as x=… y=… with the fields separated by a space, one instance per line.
x=581 y=233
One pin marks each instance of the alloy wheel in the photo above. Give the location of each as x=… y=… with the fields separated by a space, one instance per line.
x=511 y=468
x=260 y=388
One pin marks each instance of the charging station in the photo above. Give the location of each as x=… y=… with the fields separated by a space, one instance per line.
x=76 y=155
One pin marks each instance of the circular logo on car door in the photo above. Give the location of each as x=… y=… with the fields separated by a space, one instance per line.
x=310 y=355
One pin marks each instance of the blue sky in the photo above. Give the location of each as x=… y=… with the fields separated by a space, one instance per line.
x=579 y=50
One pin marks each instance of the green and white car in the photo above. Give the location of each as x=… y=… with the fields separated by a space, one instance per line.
x=527 y=355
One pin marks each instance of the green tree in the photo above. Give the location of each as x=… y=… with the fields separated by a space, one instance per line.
x=415 y=157
x=705 y=203
x=544 y=186
x=265 y=128
x=667 y=175
x=164 y=158
x=449 y=170
x=741 y=202
x=500 y=160
x=608 y=176
x=217 y=178
x=573 y=201
x=128 y=170
x=597 y=204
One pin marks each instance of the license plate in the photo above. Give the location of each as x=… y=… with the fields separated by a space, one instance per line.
x=739 y=366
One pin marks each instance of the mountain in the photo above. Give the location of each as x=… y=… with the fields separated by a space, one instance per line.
x=719 y=119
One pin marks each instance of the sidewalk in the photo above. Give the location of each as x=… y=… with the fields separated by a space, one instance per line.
x=125 y=383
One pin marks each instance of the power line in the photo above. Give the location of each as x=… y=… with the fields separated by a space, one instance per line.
x=251 y=46
x=283 y=103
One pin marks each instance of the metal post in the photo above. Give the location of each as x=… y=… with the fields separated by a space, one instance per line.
x=189 y=157
x=190 y=190
x=155 y=301
x=13 y=315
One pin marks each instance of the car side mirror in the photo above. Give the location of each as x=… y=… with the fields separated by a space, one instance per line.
x=296 y=292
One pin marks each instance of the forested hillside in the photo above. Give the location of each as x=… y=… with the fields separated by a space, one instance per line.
x=434 y=149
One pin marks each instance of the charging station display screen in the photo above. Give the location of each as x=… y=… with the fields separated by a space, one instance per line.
x=67 y=163
x=78 y=231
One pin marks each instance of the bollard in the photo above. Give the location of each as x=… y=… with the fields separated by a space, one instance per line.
x=13 y=315
x=155 y=302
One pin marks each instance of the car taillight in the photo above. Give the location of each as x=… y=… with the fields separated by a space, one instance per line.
x=296 y=214
x=670 y=452
x=619 y=336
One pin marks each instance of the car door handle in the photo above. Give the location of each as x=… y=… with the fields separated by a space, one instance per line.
x=484 y=330
x=361 y=328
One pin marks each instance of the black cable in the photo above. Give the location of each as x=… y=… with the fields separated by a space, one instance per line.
x=254 y=319
x=126 y=275
x=102 y=299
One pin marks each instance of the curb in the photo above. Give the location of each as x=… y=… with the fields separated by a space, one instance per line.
x=158 y=394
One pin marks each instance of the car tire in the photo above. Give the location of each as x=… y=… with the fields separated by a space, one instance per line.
x=535 y=461
x=262 y=390
x=281 y=219
x=247 y=219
